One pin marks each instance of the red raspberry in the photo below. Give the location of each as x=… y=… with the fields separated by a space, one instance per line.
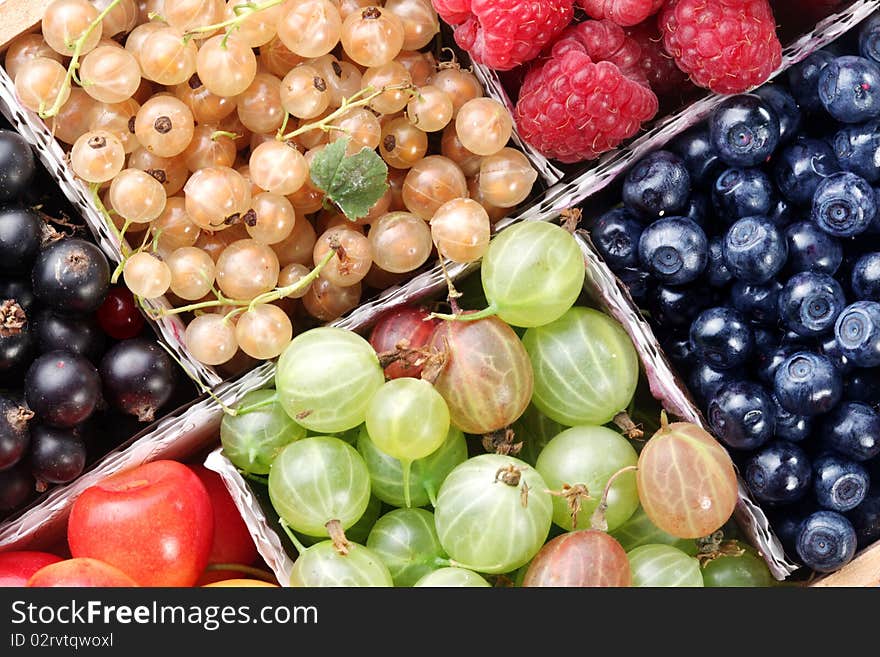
x=587 y=97
x=622 y=12
x=502 y=34
x=663 y=75
x=727 y=46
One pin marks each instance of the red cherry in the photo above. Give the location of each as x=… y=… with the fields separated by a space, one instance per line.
x=119 y=316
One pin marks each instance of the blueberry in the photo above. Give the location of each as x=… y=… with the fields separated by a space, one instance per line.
x=844 y=205
x=769 y=360
x=865 y=277
x=759 y=303
x=705 y=381
x=862 y=385
x=838 y=483
x=697 y=209
x=801 y=166
x=658 y=185
x=812 y=249
x=803 y=80
x=869 y=39
x=810 y=302
x=739 y=192
x=853 y=429
x=857 y=330
x=826 y=541
x=780 y=214
x=744 y=130
x=849 y=89
x=637 y=282
x=754 y=250
x=722 y=338
x=807 y=384
x=787 y=520
x=865 y=518
x=677 y=306
x=831 y=349
x=717 y=272
x=695 y=148
x=857 y=149
x=616 y=236
x=742 y=415
x=787 y=111
x=778 y=473
x=679 y=349
x=765 y=339
x=790 y=426
x=674 y=250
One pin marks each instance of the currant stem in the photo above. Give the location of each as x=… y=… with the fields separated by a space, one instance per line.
x=241 y=11
x=359 y=99
x=74 y=62
x=224 y=133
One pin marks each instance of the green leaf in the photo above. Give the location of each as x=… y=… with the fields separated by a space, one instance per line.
x=354 y=182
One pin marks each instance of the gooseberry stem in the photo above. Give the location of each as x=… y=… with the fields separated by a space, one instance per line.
x=241 y=11
x=490 y=311
x=269 y=401
x=74 y=62
x=300 y=548
x=359 y=99
x=407 y=499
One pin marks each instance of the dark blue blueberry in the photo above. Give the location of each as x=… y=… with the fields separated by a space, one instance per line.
x=695 y=149
x=769 y=361
x=758 y=303
x=844 y=205
x=853 y=429
x=789 y=426
x=742 y=193
x=839 y=484
x=807 y=384
x=674 y=250
x=637 y=282
x=697 y=209
x=869 y=39
x=865 y=277
x=801 y=166
x=831 y=349
x=754 y=250
x=679 y=349
x=717 y=273
x=616 y=236
x=857 y=330
x=722 y=338
x=742 y=415
x=780 y=214
x=786 y=108
x=677 y=306
x=826 y=541
x=812 y=249
x=857 y=149
x=704 y=381
x=658 y=185
x=778 y=473
x=786 y=522
x=803 y=80
x=849 y=89
x=862 y=384
x=810 y=302
x=744 y=130
x=765 y=339
x=865 y=518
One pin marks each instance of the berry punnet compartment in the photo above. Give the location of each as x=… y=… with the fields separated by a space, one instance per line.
x=657 y=388
x=180 y=435
x=571 y=184
x=221 y=153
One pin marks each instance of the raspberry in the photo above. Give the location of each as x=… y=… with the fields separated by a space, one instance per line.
x=727 y=46
x=663 y=75
x=502 y=34
x=622 y=12
x=587 y=97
